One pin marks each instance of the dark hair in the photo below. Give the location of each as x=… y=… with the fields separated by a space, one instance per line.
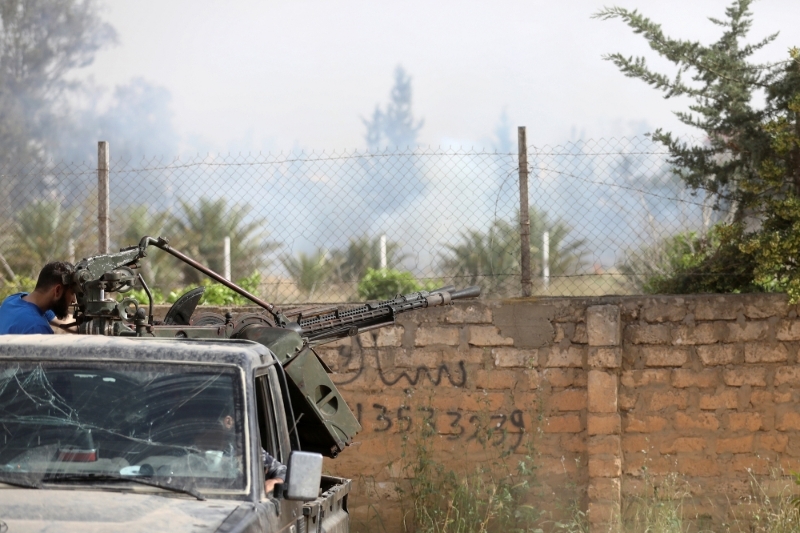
x=52 y=274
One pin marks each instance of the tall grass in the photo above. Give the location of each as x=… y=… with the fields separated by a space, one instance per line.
x=659 y=508
x=495 y=496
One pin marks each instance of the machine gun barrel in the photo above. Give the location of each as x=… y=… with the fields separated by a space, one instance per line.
x=319 y=328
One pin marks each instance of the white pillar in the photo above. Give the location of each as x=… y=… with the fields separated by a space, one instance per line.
x=546 y=259
x=226 y=254
x=383 y=252
x=102 y=196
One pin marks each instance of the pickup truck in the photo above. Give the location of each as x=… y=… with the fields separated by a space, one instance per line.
x=125 y=434
x=136 y=424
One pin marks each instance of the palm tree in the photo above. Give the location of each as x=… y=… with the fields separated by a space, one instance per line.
x=363 y=253
x=202 y=228
x=310 y=272
x=491 y=259
x=41 y=233
x=160 y=269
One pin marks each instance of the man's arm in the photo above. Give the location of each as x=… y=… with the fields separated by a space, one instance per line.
x=274 y=471
x=31 y=329
x=57 y=323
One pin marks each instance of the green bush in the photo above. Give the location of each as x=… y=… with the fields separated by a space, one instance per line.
x=219 y=294
x=215 y=294
x=18 y=284
x=383 y=284
x=688 y=263
x=140 y=296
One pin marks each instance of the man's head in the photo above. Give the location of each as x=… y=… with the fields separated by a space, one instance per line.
x=226 y=416
x=51 y=286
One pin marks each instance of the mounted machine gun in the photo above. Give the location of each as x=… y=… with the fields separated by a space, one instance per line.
x=325 y=424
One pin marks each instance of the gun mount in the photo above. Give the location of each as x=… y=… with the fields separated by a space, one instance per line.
x=291 y=336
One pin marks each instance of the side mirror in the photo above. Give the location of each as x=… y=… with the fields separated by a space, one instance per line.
x=303 y=476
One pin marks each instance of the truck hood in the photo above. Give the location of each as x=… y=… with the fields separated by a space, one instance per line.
x=30 y=511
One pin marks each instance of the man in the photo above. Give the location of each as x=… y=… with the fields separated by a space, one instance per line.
x=274 y=471
x=222 y=436
x=24 y=313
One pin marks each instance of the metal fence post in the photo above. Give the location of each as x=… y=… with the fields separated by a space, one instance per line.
x=546 y=259
x=524 y=213
x=102 y=196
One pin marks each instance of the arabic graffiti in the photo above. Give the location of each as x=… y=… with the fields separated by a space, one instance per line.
x=456 y=374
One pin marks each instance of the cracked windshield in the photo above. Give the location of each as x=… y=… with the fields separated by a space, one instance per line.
x=179 y=427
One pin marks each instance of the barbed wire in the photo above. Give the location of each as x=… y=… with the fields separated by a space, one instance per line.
x=446 y=215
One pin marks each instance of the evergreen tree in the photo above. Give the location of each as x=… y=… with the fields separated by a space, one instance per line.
x=41 y=42
x=751 y=157
x=503 y=141
x=396 y=125
x=723 y=84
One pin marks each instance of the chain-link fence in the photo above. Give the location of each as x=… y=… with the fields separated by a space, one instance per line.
x=323 y=226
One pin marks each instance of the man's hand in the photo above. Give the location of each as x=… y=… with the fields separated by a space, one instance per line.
x=57 y=325
x=269 y=484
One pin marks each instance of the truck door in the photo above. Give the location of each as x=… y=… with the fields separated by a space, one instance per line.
x=274 y=440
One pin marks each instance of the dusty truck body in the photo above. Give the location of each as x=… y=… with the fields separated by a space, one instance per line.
x=124 y=434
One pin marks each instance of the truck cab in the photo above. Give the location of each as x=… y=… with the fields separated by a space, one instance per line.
x=108 y=433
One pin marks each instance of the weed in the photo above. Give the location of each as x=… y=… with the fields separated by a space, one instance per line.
x=660 y=506
x=494 y=496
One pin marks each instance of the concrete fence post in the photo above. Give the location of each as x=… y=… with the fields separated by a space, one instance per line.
x=102 y=196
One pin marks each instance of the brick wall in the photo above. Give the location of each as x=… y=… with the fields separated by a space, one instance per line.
x=603 y=389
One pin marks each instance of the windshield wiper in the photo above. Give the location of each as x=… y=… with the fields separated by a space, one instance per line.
x=99 y=478
x=19 y=481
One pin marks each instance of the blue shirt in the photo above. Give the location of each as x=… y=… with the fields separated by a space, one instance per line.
x=18 y=316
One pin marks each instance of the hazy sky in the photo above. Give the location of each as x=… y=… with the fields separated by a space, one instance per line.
x=250 y=75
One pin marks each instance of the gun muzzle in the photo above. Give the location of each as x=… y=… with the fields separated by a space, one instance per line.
x=469 y=292
x=446 y=288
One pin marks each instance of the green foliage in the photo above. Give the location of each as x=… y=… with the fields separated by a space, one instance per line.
x=218 y=294
x=687 y=263
x=41 y=233
x=659 y=507
x=140 y=296
x=738 y=259
x=491 y=259
x=723 y=84
x=134 y=222
x=215 y=293
x=18 y=284
x=383 y=284
x=750 y=161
